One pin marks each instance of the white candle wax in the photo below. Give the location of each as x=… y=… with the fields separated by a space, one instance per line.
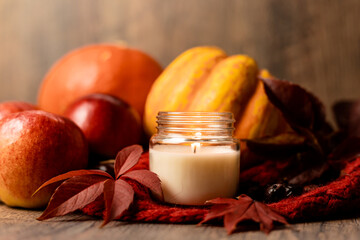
x=191 y=178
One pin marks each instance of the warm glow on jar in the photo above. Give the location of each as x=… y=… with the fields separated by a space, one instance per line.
x=195 y=156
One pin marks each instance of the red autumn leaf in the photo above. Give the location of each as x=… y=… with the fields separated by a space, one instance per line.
x=148 y=179
x=73 y=194
x=347 y=116
x=299 y=107
x=310 y=174
x=283 y=144
x=126 y=159
x=118 y=196
x=303 y=111
x=349 y=148
x=70 y=174
x=220 y=208
x=235 y=211
x=83 y=187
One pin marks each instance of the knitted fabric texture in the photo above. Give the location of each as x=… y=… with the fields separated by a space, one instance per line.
x=336 y=198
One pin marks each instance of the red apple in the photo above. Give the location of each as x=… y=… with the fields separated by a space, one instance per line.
x=109 y=124
x=34 y=147
x=9 y=107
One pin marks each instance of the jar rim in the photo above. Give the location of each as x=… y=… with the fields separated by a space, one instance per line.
x=192 y=122
x=196 y=113
x=175 y=117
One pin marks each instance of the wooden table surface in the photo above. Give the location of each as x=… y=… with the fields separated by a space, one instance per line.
x=22 y=224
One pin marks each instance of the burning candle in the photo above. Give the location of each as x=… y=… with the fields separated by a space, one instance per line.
x=195 y=156
x=195 y=146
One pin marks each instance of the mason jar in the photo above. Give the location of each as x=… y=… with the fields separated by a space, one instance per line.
x=195 y=156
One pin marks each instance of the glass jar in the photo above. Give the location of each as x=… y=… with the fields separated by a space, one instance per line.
x=195 y=156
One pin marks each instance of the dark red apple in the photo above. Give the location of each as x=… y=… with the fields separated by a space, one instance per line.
x=9 y=107
x=34 y=147
x=109 y=124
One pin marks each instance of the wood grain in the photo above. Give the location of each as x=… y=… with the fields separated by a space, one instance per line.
x=313 y=43
x=21 y=224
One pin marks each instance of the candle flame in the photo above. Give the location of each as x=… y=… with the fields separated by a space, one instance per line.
x=194 y=147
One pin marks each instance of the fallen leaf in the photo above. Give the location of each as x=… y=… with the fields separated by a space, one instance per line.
x=148 y=179
x=73 y=194
x=280 y=145
x=126 y=159
x=299 y=107
x=309 y=175
x=82 y=187
x=118 y=196
x=347 y=116
x=71 y=174
x=346 y=150
x=243 y=209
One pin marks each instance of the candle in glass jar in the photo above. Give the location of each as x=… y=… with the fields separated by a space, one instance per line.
x=192 y=174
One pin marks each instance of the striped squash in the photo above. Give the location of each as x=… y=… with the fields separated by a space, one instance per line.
x=206 y=79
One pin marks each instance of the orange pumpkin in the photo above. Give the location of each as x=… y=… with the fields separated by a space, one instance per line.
x=120 y=71
x=206 y=79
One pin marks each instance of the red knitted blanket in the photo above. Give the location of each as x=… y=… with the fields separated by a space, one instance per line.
x=336 y=198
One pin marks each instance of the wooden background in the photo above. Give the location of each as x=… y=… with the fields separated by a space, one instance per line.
x=313 y=43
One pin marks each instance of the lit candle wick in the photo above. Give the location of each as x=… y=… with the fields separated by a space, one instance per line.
x=194 y=146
